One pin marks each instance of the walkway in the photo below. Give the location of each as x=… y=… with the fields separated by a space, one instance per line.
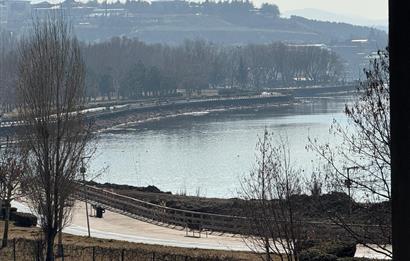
x=119 y=227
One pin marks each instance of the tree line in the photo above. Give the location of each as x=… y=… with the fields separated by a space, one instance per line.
x=8 y=71
x=129 y=68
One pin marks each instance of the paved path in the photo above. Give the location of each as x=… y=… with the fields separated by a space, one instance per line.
x=120 y=227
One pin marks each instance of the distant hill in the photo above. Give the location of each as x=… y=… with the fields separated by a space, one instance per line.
x=250 y=29
x=234 y=22
x=321 y=15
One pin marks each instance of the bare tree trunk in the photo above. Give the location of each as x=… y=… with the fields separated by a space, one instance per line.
x=60 y=250
x=267 y=249
x=50 y=237
x=6 y=224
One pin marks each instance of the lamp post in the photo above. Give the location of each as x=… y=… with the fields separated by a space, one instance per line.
x=348 y=183
x=83 y=171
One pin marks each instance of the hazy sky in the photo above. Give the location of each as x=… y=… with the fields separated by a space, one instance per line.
x=372 y=9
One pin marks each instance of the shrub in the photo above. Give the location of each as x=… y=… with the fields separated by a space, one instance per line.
x=24 y=219
x=314 y=254
x=306 y=244
x=338 y=248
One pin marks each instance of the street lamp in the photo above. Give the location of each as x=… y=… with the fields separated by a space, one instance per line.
x=83 y=171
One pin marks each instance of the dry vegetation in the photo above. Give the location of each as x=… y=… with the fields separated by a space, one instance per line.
x=80 y=248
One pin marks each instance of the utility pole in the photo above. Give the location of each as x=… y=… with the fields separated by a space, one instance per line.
x=348 y=184
x=399 y=51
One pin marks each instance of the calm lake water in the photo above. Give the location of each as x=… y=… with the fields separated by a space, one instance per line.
x=209 y=152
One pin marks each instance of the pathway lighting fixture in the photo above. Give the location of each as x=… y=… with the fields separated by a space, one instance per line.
x=83 y=171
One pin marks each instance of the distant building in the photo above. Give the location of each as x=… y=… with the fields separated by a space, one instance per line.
x=181 y=92
x=75 y=10
x=209 y=92
x=197 y=93
x=363 y=41
x=318 y=45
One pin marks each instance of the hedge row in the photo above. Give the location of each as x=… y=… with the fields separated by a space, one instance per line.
x=22 y=219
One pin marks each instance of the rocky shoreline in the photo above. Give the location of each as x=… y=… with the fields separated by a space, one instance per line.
x=111 y=117
x=133 y=118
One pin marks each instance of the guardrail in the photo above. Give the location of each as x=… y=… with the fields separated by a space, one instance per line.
x=149 y=212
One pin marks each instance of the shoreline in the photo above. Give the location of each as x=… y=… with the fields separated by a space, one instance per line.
x=138 y=113
x=111 y=118
x=131 y=113
x=136 y=119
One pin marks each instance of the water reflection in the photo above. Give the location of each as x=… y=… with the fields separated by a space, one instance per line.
x=210 y=151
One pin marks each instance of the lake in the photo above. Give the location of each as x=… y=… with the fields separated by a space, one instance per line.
x=206 y=153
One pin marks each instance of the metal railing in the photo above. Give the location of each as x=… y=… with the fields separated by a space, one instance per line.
x=186 y=219
x=167 y=216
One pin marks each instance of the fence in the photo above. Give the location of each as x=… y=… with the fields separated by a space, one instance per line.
x=33 y=250
x=162 y=215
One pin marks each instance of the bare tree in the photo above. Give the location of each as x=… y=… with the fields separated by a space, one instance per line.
x=55 y=133
x=362 y=159
x=11 y=173
x=268 y=191
x=7 y=72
